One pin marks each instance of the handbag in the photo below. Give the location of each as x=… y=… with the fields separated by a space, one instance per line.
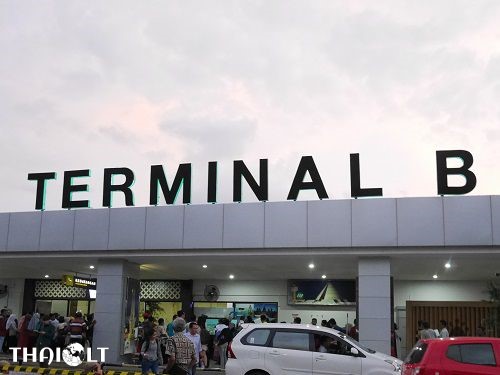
x=175 y=369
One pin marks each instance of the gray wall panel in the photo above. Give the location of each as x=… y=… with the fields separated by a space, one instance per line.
x=164 y=226
x=286 y=224
x=24 y=231
x=329 y=223
x=420 y=222
x=467 y=221
x=4 y=230
x=57 y=230
x=203 y=225
x=243 y=225
x=91 y=229
x=127 y=228
x=374 y=222
x=495 y=209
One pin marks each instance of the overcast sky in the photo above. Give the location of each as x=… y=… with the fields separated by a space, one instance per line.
x=90 y=85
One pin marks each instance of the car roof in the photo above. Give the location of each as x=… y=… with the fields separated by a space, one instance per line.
x=462 y=340
x=291 y=326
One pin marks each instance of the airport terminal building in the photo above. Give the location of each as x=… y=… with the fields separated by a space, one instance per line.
x=379 y=260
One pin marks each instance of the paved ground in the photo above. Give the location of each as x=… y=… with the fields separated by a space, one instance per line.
x=125 y=367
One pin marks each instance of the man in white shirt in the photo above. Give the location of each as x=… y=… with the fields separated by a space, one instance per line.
x=194 y=337
x=444 y=329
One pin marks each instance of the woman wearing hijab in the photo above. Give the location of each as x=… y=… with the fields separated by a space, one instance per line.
x=12 y=330
x=24 y=335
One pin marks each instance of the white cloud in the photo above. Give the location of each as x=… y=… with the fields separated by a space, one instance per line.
x=94 y=85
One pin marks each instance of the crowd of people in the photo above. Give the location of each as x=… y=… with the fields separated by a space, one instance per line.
x=185 y=344
x=44 y=330
x=424 y=330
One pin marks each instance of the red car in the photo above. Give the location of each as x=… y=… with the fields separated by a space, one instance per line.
x=457 y=356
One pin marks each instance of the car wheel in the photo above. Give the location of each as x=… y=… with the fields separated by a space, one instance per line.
x=256 y=372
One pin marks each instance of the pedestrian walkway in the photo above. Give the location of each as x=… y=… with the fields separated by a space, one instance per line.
x=7 y=367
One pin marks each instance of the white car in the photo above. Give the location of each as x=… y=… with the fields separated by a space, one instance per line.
x=291 y=349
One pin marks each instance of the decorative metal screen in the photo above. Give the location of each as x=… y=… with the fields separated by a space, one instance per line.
x=56 y=289
x=161 y=290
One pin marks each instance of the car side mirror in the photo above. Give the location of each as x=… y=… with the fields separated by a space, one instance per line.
x=354 y=351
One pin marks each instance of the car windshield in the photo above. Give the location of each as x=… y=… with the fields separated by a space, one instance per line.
x=353 y=342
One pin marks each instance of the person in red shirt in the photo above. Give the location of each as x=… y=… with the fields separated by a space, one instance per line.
x=3 y=330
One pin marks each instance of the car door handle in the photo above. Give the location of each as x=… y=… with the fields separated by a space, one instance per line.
x=320 y=358
x=274 y=353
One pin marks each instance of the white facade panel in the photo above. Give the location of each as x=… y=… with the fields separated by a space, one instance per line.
x=495 y=216
x=420 y=222
x=374 y=222
x=244 y=225
x=329 y=223
x=286 y=224
x=203 y=225
x=24 y=231
x=374 y=267
x=375 y=329
x=4 y=230
x=374 y=286
x=57 y=230
x=374 y=307
x=127 y=228
x=467 y=221
x=91 y=229
x=164 y=226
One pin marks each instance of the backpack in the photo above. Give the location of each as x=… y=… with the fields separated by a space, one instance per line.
x=225 y=336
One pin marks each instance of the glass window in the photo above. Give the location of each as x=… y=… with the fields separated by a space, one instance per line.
x=257 y=337
x=291 y=340
x=476 y=354
x=416 y=354
x=331 y=344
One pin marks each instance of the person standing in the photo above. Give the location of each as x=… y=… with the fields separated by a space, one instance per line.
x=3 y=329
x=151 y=353
x=206 y=341
x=354 y=331
x=194 y=337
x=443 y=333
x=180 y=350
x=12 y=330
x=45 y=338
x=24 y=339
x=170 y=326
x=77 y=329
x=223 y=339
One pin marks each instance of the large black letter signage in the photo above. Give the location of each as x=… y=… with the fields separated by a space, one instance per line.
x=241 y=170
x=182 y=177
x=443 y=171
x=307 y=165
x=109 y=187
x=356 y=190
x=40 y=178
x=69 y=188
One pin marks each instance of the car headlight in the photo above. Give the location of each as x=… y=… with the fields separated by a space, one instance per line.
x=396 y=365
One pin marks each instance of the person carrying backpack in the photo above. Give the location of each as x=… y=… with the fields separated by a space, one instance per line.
x=223 y=338
x=151 y=354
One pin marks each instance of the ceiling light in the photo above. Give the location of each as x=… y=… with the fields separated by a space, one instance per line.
x=447 y=265
x=434 y=276
x=231 y=276
x=91 y=267
x=204 y=266
x=323 y=276
x=46 y=276
x=311 y=265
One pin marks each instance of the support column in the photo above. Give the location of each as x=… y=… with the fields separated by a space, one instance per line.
x=374 y=303
x=110 y=306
